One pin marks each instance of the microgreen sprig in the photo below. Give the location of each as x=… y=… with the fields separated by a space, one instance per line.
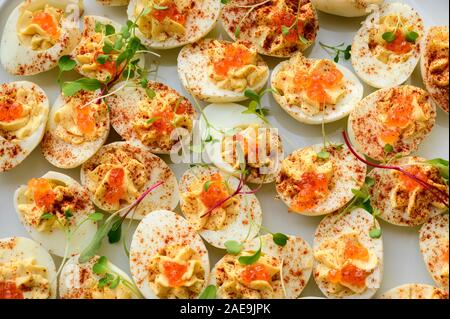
x=391 y=36
x=251 y=8
x=285 y=30
x=255 y=106
x=338 y=51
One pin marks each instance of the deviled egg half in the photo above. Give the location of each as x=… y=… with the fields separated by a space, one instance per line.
x=415 y=291
x=392 y=121
x=156 y=118
x=96 y=279
x=220 y=71
x=238 y=218
x=387 y=48
x=315 y=91
x=38 y=33
x=114 y=3
x=168 y=24
x=240 y=139
x=27 y=270
x=434 y=65
x=400 y=199
x=91 y=59
x=168 y=259
x=77 y=127
x=51 y=206
x=347 y=8
x=279 y=273
x=24 y=110
x=120 y=172
x=316 y=181
x=277 y=28
x=434 y=244
x=348 y=262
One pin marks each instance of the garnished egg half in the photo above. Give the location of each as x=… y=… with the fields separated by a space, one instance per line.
x=346 y=8
x=168 y=259
x=120 y=172
x=114 y=3
x=279 y=273
x=85 y=281
x=348 y=263
x=315 y=91
x=52 y=206
x=168 y=24
x=221 y=71
x=277 y=28
x=242 y=137
x=156 y=118
x=400 y=199
x=318 y=180
x=38 y=33
x=202 y=189
x=24 y=110
x=392 y=121
x=434 y=65
x=27 y=270
x=434 y=244
x=91 y=60
x=387 y=48
x=77 y=127
x=415 y=291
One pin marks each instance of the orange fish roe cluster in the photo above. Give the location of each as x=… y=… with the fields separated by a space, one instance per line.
x=109 y=66
x=46 y=22
x=115 y=189
x=10 y=111
x=215 y=193
x=398 y=117
x=408 y=182
x=283 y=19
x=42 y=191
x=170 y=11
x=235 y=56
x=400 y=45
x=310 y=189
x=85 y=119
x=174 y=272
x=255 y=272
x=9 y=290
x=356 y=251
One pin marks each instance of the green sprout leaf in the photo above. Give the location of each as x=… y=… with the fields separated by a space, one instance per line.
x=47 y=216
x=280 y=239
x=412 y=36
x=441 y=165
x=250 y=260
x=96 y=217
x=375 y=233
x=115 y=233
x=65 y=63
x=323 y=155
x=210 y=292
x=389 y=37
x=388 y=148
x=233 y=247
x=101 y=266
x=72 y=88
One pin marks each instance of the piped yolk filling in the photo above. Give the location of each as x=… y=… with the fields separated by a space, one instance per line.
x=216 y=192
x=42 y=191
x=255 y=272
x=311 y=188
x=10 y=112
x=9 y=290
x=234 y=57
x=115 y=189
x=174 y=272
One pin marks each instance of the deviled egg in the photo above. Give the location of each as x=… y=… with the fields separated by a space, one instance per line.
x=38 y=33
x=387 y=48
x=78 y=126
x=120 y=172
x=401 y=200
x=315 y=91
x=435 y=65
x=168 y=259
x=238 y=218
x=392 y=121
x=27 y=270
x=155 y=118
x=23 y=114
x=53 y=205
x=346 y=8
x=316 y=181
x=96 y=279
x=237 y=133
x=348 y=262
x=168 y=24
x=277 y=28
x=415 y=291
x=220 y=71
x=434 y=244
x=279 y=273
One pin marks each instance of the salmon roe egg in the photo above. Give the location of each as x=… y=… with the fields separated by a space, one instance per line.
x=215 y=193
x=170 y=11
x=115 y=189
x=409 y=183
x=42 y=191
x=400 y=45
x=353 y=275
x=310 y=189
x=234 y=57
x=85 y=119
x=255 y=272
x=10 y=111
x=354 y=250
x=174 y=272
x=9 y=290
x=46 y=22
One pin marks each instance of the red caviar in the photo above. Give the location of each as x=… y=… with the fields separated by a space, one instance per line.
x=216 y=192
x=283 y=19
x=9 y=290
x=85 y=119
x=354 y=250
x=115 y=188
x=109 y=66
x=353 y=275
x=234 y=57
x=398 y=116
x=164 y=122
x=408 y=182
x=10 y=111
x=400 y=45
x=174 y=273
x=255 y=272
x=310 y=189
x=46 y=22
x=42 y=191
x=170 y=11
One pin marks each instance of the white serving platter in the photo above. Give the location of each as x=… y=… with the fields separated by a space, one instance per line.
x=402 y=260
